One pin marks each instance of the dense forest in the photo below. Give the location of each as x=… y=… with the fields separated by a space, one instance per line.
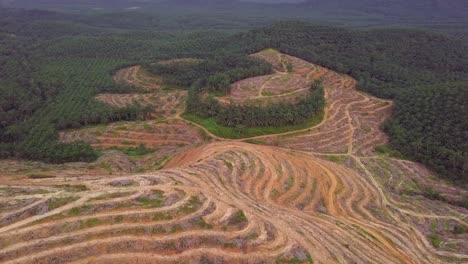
x=214 y=73
x=53 y=65
x=448 y=16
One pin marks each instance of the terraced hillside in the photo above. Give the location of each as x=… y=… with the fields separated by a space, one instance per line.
x=318 y=195
x=225 y=202
x=162 y=103
x=290 y=82
x=352 y=123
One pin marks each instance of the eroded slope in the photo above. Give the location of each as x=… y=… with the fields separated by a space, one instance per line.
x=320 y=196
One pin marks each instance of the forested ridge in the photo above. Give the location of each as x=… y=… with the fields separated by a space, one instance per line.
x=51 y=76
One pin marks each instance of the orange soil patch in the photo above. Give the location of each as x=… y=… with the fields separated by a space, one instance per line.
x=225 y=202
x=352 y=124
x=163 y=104
x=110 y=163
x=278 y=87
x=167 y=138
x=233 y=202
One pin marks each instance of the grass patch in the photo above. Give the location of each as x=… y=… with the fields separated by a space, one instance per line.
x=40 y=176
x=435 y=240
x=161 y=216
x=74 y=188
x=388 y=151
x=336 y=159
x=106 y=167
x=150 y=203
x=434 y=237
x=90 y=223
x=236 y=133
x=290 y=183
x=202 y=224
x=430 y=193
x=238 y=218
x=170 y=87
x=74 y=212
x=163 y=162
x=270 y=51
x=110 y=196
x=141 y=150
x=274 y=193
x=288 y=261
x=193 y=204
x=55 y=203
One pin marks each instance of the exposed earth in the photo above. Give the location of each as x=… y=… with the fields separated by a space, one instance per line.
x=319 y=195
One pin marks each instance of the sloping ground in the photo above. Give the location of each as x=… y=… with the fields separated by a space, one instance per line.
x=281 y=87
x=134 y=75
x=321 y=197
x=110 y=163
x=163 y=137
x=166 y=136
x=163 y=103
x=226 y=203
x=352 y=122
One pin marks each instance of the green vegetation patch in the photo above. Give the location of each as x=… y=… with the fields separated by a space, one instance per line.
x=150 y=202
x=40 y=176
x=141 y=150
x=246 y=132
x=336 y=158
x=73 y=188
x=386 y=150
x=238 y=218
x=90 y=223
x=55 y=203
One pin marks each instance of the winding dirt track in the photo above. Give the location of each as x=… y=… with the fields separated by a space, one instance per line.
x=235 y=202
x=280 y=87
x=295 y=204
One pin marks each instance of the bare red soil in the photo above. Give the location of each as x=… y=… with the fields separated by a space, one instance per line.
x=322 y=196
x=280 y=87
x=352 y=122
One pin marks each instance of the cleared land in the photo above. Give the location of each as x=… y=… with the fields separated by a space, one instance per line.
x=161 y=139
x=224 y=202
x=135 y=75
x=352 y=122
x=290 y=82
x=163 y=103
x=322 y=195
